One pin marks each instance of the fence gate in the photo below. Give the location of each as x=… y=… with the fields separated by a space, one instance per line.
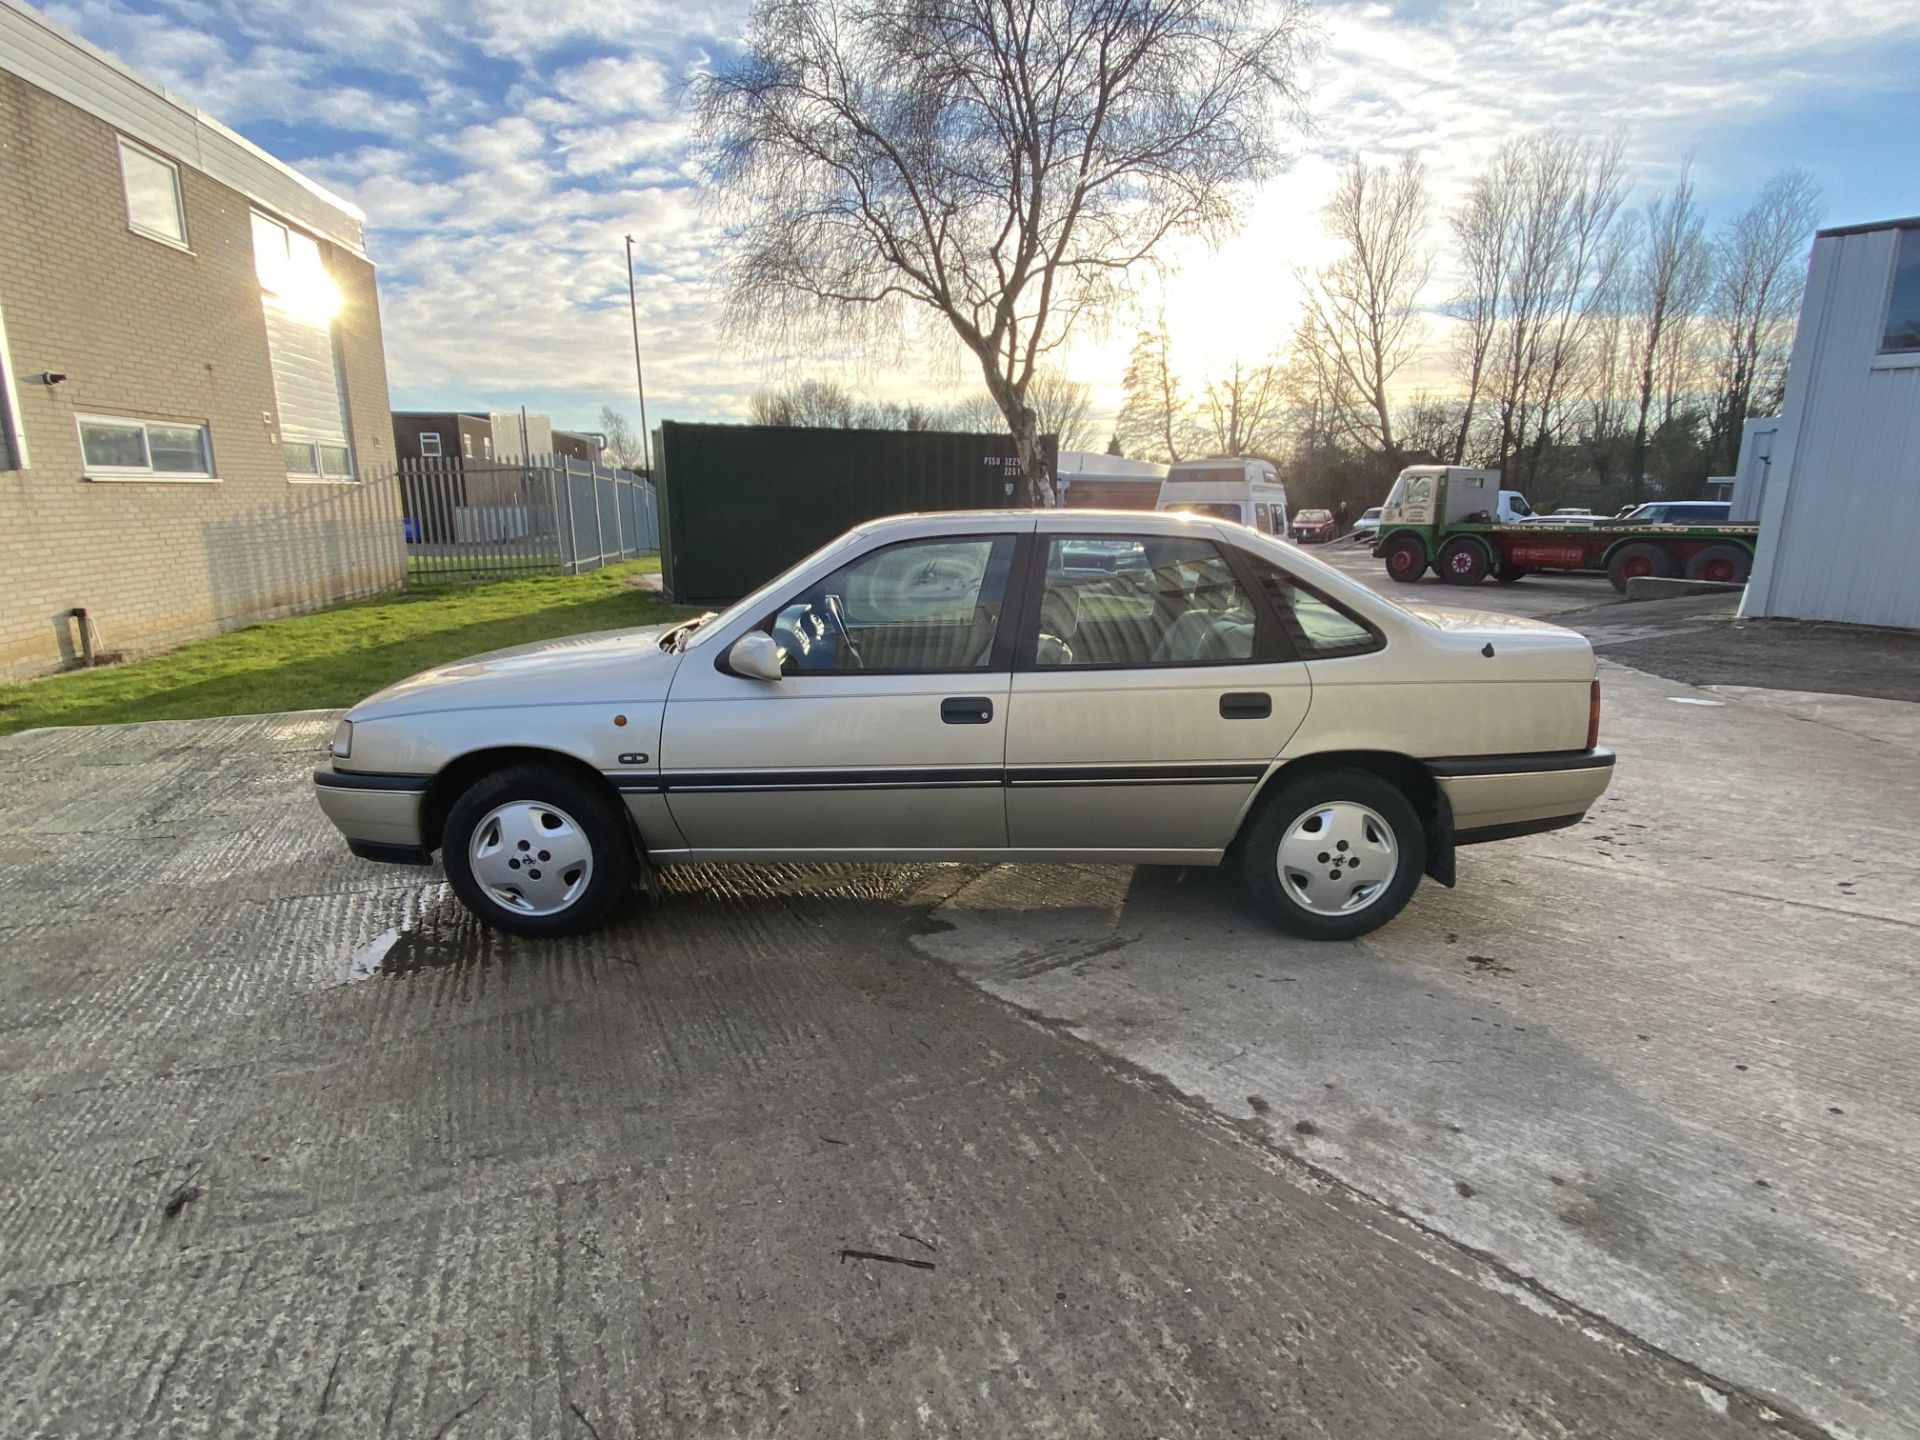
x=488 y=520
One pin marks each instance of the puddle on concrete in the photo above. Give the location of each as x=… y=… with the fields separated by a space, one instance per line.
x=403 y=950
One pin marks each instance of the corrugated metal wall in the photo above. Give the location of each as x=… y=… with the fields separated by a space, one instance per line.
x=740 y=503
x=1842 y=505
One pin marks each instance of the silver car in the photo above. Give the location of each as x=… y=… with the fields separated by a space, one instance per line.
x=1022 y=686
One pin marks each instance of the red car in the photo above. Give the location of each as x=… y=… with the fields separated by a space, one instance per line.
x=1313 y=527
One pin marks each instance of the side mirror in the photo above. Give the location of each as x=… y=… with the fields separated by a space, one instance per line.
x=755 y=656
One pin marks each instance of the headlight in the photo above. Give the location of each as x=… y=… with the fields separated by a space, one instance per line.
x=343 y=740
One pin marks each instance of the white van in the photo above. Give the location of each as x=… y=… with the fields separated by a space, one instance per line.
x=1246 y=491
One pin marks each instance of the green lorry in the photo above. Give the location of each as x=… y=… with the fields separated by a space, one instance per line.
x=1465 y=527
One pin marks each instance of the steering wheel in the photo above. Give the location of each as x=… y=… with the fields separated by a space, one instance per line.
x=838 y=615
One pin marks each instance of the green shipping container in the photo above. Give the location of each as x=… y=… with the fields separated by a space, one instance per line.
x=740 y=503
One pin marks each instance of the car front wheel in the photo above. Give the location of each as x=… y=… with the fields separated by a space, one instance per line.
x=1334 y=854
x=533 y=850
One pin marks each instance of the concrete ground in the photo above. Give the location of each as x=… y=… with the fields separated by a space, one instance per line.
x=1616 y=1139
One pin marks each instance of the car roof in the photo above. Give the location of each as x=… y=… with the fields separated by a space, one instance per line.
x=1055 y=521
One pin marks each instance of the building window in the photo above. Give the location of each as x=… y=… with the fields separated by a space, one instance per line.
x=121 y=449
x=299 y=300
x=486 y=446
x=466 y=445
x=13 y=440
x=154 y=206
x=429 y=444
x=1902 y=333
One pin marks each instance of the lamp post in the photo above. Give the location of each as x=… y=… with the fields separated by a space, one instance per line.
x=639 y=378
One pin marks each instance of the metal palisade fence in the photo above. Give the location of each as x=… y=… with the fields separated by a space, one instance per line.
x=554 y=514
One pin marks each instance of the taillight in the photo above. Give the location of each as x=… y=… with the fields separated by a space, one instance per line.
x=1593 y=716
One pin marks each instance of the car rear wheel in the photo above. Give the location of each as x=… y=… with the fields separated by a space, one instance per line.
x=1631 y=562
x=1406 y=557
x=1334 y=854
x=1508 y=573
x=534 y=850
x=1726 y=564
x=1462 y=561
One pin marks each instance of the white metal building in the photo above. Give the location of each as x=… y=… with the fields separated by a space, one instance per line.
x=1839 y=495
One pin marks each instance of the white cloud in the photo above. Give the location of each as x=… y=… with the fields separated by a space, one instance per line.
x=497 y=211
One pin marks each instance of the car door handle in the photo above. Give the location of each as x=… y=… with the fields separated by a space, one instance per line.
x=1246 y=705
x=967 y=710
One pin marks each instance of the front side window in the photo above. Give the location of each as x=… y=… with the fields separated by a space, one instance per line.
x=1163 y=600
x=1902 y=332
x=429 y=445
x=116 y=448
x=1318 y=628
x=154 y=208
x=925 y=605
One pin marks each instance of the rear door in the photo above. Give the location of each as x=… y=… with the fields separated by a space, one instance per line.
x=1149 y=697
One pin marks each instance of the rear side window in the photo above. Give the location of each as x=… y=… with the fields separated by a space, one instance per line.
x=1153 y=600
x=1319 y=629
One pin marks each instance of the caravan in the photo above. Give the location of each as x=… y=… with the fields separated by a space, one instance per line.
x=1247 y=492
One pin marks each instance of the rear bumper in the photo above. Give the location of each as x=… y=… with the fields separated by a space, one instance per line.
x=1498 y=797
x=378 y=814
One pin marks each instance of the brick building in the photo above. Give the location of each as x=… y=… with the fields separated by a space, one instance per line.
x=192 y=383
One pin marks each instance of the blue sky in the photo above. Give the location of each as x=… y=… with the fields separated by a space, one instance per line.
x=502 y=149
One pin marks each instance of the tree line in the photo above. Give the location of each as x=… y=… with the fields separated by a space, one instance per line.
x=1594 y=351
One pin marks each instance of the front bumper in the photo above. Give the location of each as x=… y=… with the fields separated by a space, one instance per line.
x=1497 y=797
x=378 y=814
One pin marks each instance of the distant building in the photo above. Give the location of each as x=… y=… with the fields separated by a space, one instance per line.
x=1835 y=481
x=442 y=437
x=1091 y=481
x=189 y=334
x=484 y=436
x=577 y=446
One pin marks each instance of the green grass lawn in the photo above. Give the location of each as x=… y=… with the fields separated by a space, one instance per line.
x=339 y=656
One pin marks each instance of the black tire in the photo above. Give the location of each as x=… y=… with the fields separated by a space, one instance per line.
x=1292 y=802
x=1727 y=564
x=1630 y=562
x=1462 y=562
x=600 y=822
x=1508 y=573
x=1406 y=557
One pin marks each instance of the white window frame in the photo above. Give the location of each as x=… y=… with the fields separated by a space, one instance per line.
x=318 y=476
x=10 y=400
x=438 y=452
x=145 y=472
x=1906 y=358
x=179 y=195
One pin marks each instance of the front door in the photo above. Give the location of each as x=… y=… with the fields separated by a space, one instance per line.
x=1144 y=710
x=886 y=732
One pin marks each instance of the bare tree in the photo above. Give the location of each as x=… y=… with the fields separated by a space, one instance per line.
x=1534 y=286
x=1156 y=420
x=622 y=446
x=1063 y=408
x=1243 y=409
x=1365 y=305
x=1760 y=278
x=1000 y=166
x=1482 y=228
x=829 y=405
x=1669 y=285
x=814 y=404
